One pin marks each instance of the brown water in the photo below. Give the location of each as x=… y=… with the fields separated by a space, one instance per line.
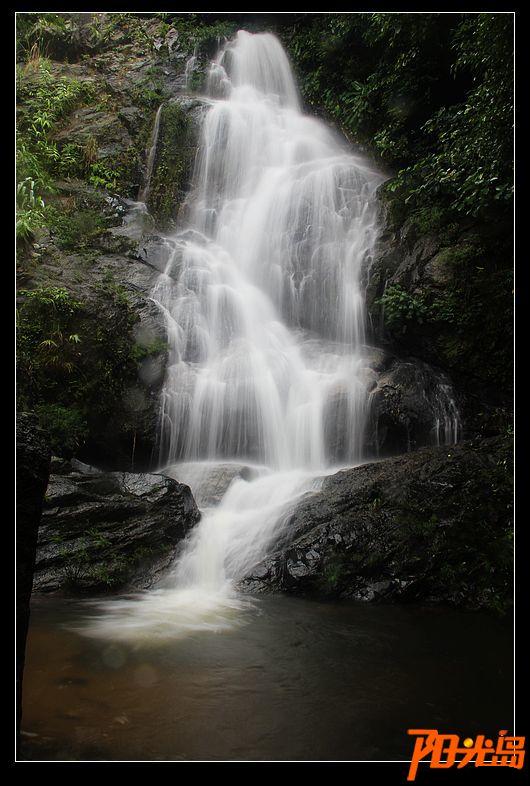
x=301 y=680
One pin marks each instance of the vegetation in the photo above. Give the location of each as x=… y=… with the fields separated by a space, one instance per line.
x=46 y=101
x=71 y=370
x=464 y=326
x=400 y=308
x=205 y=33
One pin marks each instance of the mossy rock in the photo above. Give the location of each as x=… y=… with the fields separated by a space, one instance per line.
x=176 y=150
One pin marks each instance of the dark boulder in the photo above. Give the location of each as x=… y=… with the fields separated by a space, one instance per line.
x=104 y=531
x=33 y=467
x=431 y=526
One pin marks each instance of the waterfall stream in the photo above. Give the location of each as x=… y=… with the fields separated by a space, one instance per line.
x=265 y=319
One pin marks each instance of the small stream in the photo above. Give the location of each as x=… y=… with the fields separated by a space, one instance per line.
x=297 y=680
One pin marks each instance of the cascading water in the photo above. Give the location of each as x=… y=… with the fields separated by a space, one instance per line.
x=265 y=321
x=281 y=219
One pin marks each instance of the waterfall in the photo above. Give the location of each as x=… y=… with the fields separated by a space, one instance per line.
x=262 y=295
x=265 y=320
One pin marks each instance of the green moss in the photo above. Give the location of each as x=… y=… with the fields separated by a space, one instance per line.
x=173 y=165
x=401 y=309
x=156 y=347
x=66 y=428
x=331 y=574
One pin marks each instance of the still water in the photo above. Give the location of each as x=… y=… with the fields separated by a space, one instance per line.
x=298 y=680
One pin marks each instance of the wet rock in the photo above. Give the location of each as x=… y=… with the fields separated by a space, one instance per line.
x=209 y=482
x=113 y=269
x=409 y=404
x=431 y=526
x=171 y=39
x=104 y=531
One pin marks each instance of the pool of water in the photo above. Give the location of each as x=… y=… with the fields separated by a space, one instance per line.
x=300 y=680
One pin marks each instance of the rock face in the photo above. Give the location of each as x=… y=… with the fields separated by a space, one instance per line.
x=33 y=467
x=103 y=531
x=434 y=526
x=444 y=293
x=98 y=243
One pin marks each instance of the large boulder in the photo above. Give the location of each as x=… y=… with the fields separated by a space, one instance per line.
x=434 y=525
x=103 y=531
x=411 y=405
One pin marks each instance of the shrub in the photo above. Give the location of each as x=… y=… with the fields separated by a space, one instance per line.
x=401 y=308
x=66 y=426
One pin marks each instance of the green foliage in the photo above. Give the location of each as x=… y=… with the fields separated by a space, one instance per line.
x=46 y=337
x=103 y=176
x=73 y=362
x=37 y=32
x=66 y=428
x=150 y=92
x=401 y=308
x=45 y=102
x=203 y=32
x=143 y=351
x=433 y=94
x=75 y=567
x=30 y=209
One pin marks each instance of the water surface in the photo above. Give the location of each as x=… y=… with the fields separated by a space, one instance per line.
x=300 y=680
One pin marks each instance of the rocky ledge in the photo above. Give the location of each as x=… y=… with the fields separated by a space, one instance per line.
x=431 y=526
x=105 y=531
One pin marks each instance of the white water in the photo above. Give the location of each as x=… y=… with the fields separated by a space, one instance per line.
x=265 y=320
